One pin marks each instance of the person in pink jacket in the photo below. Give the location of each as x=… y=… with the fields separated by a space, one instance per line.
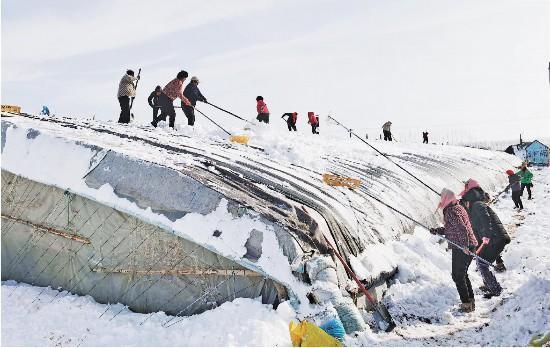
x=173 y=90
x=263 y=111
x=457 y=229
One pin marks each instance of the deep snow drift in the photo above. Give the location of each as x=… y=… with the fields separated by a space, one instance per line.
x=423 y=292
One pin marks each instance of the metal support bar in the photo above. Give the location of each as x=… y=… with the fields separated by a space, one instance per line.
x=181 y=271
x=50 y=230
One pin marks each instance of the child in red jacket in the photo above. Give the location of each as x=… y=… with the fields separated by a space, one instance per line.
x=313 y=121
x=263 y=111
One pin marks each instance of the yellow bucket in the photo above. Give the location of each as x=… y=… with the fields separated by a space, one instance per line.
x=241 y=139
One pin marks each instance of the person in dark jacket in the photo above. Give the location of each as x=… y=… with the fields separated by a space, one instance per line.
x=153 y=101
x=472 y=184
x=515 y=184
x=425 y=137
x=193 y=94
x=486 y=224
x=457 y=229
x=386 y=129
x=292 y=117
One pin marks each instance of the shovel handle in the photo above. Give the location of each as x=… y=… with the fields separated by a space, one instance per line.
x=348 y=269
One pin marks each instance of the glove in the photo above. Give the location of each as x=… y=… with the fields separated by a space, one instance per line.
x=437 y=230
x=205 y=101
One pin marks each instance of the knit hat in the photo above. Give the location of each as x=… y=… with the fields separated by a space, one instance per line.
x=259 y=98
x=510 y=172
x=447 y=197
x=468 y=185
x=130 y=72
x=158 y=89
x=194 y=78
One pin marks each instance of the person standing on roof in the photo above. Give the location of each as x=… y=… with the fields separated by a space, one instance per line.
x=45 y=111
x=173 y=90
x=313 y=121
x=386 y=129
x=425 y=137
x=193 y=94
x=263 y=111
x=126 y=90
x=526 y=180
x=457 y=229
x=292 y=117
x=486 y=225
x=153 y=101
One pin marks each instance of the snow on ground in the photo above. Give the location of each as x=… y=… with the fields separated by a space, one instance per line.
x=73 y=321
x=422 y=300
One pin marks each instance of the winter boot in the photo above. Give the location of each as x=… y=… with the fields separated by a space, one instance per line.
x=467 y=307
x=488 y=295
x=499 y=267
x=484 y=288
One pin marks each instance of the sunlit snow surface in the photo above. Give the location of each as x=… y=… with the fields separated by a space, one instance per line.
x=423 y=291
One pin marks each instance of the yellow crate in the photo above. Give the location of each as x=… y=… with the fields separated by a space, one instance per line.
x=11 y=108
x=335 y=180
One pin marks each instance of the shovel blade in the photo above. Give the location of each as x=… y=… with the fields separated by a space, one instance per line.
x=383 y=318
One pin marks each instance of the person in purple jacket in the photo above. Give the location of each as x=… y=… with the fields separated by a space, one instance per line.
x=457 y=229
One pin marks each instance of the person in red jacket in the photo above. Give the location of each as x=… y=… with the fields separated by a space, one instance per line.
x=313 y=121
x=263 y=111
x=291 y=120
x=457 y=229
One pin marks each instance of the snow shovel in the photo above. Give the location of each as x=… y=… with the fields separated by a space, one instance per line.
x=382 y=316
x=241 y=139
x=132 y=101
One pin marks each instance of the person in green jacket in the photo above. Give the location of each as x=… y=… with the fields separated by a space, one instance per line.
x=526 y=180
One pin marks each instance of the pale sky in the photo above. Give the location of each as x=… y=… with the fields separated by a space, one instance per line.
x=460 y=69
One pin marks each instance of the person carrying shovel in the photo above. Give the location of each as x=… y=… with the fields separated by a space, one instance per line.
x=486 y=224
x=457 y=229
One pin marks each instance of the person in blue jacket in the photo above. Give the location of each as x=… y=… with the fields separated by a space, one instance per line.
x=45 y=111
x=193 y=94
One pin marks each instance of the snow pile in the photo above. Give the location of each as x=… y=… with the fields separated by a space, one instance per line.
x=294 y=159
x=73 y=321
x=423 y=300
x=527 y=257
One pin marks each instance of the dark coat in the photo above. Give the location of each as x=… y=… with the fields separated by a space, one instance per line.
x=153 y=100
x=193 y=93
x=292 y=118
x=514 y=182
x=484 y=220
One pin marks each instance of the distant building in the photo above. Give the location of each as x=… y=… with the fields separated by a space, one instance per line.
x=535 y=152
